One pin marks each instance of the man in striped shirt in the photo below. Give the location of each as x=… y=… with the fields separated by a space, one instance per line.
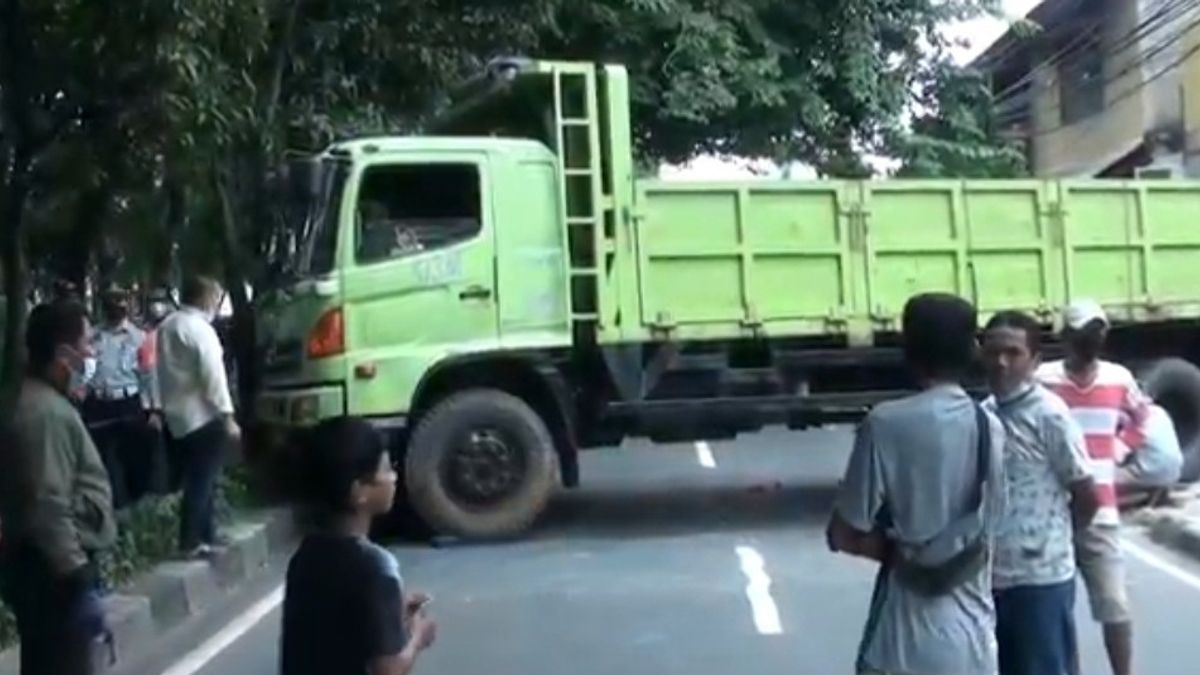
x=1108 y=405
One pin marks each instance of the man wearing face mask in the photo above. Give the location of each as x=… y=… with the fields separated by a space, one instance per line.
x=1109 y=406
x=198 y=407
x=118 y=409
x=55 y=500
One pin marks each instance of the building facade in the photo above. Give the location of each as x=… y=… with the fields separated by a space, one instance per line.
x=1102 y=87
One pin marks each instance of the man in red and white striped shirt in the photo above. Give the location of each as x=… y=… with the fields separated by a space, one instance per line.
x=1108 y=404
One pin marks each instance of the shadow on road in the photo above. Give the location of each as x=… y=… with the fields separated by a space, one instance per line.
x=673 y=511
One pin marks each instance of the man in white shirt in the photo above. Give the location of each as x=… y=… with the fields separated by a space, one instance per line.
x=197 y=406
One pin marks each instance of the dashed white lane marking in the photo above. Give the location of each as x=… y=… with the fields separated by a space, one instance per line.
x=1162 y=565
x=758 y=592
x=231 y=633
x=704 y=455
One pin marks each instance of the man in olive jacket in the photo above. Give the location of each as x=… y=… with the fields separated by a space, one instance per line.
x=55 y=499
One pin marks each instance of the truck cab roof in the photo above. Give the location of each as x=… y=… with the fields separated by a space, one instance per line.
x=372 y=145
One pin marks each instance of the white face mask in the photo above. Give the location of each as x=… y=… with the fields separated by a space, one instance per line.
x=82 y=374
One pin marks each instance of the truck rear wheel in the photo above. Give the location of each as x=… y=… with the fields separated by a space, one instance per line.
x=481 y=465
x=1175 y=385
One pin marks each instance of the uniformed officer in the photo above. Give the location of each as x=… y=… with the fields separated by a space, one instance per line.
x=118 y=408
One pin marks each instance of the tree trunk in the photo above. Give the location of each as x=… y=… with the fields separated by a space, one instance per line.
x=12 y=250
x=91 y=209
x=166 y=265
x=243 y=337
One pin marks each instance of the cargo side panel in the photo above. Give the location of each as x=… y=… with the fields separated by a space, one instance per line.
x=842 y=258
x=729 y=260
x=916 y=242
x=1015 y=257
x=1134 y=247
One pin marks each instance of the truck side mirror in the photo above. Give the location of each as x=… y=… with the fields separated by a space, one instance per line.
x=303 y=178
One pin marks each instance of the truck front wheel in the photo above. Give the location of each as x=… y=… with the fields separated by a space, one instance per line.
x=481 y=465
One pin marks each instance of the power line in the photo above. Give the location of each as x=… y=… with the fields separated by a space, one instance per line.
x=1019 y=112
x=1161 y=17
x=1128 y=92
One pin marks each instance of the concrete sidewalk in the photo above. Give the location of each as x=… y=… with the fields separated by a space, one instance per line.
x=175 y=591
x=1176 y=524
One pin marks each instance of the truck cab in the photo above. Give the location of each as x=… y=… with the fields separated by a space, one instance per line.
x=399 y=271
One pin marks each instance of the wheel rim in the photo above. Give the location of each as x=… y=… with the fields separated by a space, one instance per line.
x=485 y=467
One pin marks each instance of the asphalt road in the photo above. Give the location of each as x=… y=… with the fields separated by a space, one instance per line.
x=661 y=564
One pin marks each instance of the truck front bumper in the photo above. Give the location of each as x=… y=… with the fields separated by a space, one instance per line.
x=300 y=407
x=284 y=414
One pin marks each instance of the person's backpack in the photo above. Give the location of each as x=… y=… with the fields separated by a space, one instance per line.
x=961 y=550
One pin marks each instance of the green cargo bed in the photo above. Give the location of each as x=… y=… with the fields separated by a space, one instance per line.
x=719 y=260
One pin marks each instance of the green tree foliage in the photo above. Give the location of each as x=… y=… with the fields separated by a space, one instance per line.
x=957 y=136
x=810 y=80
x=71 y=72
x=130 y=127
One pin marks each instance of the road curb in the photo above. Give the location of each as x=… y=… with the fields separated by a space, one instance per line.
x=176 y=591
x=1180 y=532
x=1177 y=528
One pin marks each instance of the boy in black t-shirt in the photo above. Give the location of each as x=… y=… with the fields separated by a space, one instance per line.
x=345 y=610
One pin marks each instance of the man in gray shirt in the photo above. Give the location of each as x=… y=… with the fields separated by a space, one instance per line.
x=923 y=485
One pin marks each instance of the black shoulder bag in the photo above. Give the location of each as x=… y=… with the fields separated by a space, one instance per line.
x=926 y=568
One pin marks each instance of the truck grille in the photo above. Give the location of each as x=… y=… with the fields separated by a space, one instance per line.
x=281 y=358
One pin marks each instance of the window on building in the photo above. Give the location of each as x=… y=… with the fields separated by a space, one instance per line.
x=407 y=209
x=1081 y=83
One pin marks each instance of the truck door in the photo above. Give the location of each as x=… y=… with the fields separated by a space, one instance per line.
x=422 y=278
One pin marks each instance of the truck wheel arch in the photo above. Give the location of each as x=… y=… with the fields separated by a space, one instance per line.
x=534 y=380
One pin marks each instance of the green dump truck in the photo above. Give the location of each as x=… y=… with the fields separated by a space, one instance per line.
x=505 y=292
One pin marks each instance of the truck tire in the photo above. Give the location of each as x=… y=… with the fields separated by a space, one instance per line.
x=1174 y=384
x=481 y=465
x=403 y=520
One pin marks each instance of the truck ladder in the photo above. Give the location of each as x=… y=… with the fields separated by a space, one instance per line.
x=577 y=136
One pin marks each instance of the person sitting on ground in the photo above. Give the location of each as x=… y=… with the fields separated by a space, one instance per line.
x=1155 y=465
x=345 y=610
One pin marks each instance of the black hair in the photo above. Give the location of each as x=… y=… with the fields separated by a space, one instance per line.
x=1011 y=318
x=50 y=326
x=198 y=289
x=939 y=334
x=337 y=452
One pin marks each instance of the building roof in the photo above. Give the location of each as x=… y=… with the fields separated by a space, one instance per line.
x=1048 y=14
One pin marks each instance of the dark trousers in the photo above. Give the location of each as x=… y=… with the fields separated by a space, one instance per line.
x=202 y=453
x=1035 y=629
x=132 y=451
x=54 y=641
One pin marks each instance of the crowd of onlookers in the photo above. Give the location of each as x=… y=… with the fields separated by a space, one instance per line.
x=981 y=515
x=116 y=409
x=89 y=433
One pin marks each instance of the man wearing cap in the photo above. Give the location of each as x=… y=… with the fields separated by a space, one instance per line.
x=1112 y=411
x=118 y=406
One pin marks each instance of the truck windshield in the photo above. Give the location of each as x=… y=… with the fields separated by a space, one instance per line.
x=307 y=246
